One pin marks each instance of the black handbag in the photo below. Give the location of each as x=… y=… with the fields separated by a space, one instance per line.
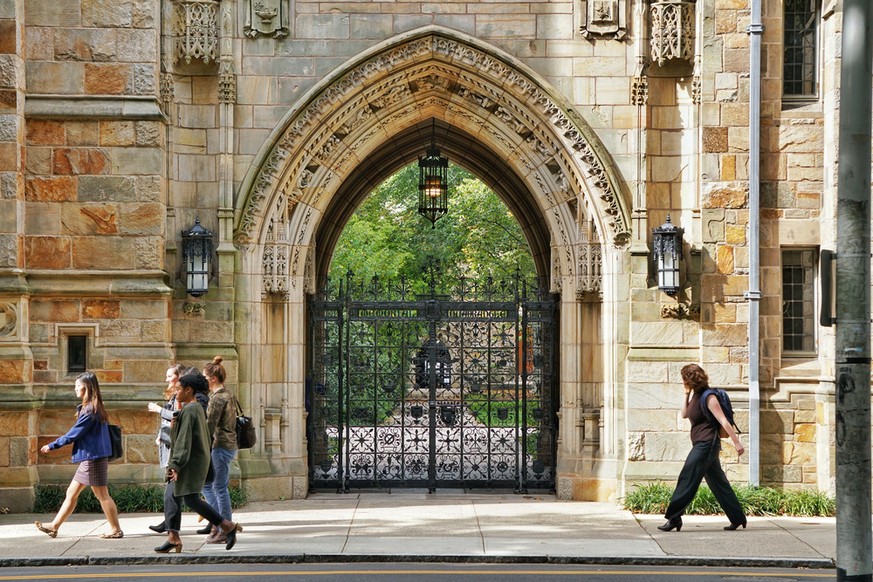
x=245 y=430
x=115 y=439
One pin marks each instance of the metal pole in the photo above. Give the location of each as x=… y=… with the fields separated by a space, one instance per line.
x=854 y=544
x=756 y=31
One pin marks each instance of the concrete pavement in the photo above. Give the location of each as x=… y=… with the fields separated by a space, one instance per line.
x=413 y=526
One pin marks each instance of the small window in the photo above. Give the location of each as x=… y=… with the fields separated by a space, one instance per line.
x=798 y=301
x=800 y=64
x=77 y=353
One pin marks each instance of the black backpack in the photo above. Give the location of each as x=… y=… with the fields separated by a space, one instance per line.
x=725 y=402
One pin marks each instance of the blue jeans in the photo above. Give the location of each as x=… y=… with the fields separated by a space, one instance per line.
x=216 y=492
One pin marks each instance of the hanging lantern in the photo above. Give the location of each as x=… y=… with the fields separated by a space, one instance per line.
x=668 y=253
x=197 y=258
x=433 y=184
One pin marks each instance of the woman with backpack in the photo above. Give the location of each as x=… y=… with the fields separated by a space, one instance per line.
x=703 y=462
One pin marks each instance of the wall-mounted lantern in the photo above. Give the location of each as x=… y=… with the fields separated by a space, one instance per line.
x=668 y=254
x=197 y=258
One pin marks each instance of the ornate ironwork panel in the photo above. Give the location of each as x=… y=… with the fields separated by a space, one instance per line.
x=432 y=390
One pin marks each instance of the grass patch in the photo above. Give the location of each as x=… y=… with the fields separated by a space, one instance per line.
x=129 y=498
x=654 y=498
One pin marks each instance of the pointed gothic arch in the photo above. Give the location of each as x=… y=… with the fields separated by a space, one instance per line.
x=499 y=119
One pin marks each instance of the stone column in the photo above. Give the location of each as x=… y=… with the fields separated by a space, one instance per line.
x=17 y=450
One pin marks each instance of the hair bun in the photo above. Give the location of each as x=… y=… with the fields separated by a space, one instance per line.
x=217 y=360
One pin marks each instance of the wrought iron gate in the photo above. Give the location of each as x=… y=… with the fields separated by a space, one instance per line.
x=430 y=390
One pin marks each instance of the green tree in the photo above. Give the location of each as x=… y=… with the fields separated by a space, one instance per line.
x=478 y=238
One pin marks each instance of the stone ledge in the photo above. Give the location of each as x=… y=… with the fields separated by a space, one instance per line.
x=79 y=107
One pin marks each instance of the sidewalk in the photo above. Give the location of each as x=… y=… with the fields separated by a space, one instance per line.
x=412 y=526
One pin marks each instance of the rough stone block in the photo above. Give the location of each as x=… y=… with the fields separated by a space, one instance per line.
x=89 y=219
x=82 y=133
x=149 y=133
x=108 y=13
x=60 y=311
x=142 y=219
x=59 y=189
x=52 y=13
x=93 y=45
x=47 y=252
x=45 y=132
x=506 y=26
x=137 y=45
x=107 y=189
x=137 y=161
x=76 y=161
x=375 y=26
x=14 y=371
x=4 y=452
x=104 y=252
x=55 y=78
x=38 y=161
x=323 y=26
x=14 y=424
x=667 y=446
x=106 y=79
x=100 y=309
x=117 y=133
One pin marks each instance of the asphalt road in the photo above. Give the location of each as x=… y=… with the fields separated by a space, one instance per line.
x=367 y=572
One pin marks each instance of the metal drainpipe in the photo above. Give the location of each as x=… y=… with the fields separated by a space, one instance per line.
x=755 y=31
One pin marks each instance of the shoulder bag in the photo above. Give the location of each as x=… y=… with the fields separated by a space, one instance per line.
x=115 y=439
x=245 y=430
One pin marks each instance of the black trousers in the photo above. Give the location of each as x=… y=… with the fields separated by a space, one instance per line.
x=173 y=508
x=702 y=463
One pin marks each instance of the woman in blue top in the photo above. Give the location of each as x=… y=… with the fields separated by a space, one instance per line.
x=91 y=449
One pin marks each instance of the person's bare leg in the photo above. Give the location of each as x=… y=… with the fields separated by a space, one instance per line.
x=110 y=510
x=68 y=506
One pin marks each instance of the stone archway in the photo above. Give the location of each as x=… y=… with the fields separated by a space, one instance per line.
x=501 y=121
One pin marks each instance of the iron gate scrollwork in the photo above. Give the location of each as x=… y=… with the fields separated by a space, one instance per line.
x=432 y=390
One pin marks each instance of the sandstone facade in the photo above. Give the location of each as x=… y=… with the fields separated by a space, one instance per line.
x=122 y=121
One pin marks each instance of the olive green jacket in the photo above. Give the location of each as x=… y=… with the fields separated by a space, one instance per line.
x=221 y=419
x=190 y=452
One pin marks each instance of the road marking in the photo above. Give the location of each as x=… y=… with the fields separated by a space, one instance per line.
x=681 y=573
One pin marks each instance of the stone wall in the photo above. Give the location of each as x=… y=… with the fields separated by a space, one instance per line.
x=125 y=138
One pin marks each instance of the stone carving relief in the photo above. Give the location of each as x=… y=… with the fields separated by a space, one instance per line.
x=266 y=18
x=167 y=90
x=195 y=28
x=604 y=18
x=501 y=91
x=226 y=82
x=589 y=268
x=640 y=91
x=8 y=320
x=275 y=262
x=672 y=31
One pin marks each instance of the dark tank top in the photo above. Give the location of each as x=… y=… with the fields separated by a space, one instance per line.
x=701 y=428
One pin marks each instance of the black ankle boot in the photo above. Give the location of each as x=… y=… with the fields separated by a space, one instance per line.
x=675 y=523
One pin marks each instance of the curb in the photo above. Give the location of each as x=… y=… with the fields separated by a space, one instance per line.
x=697 y=561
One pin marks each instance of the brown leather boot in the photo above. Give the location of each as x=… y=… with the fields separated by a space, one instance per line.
x=217 y=536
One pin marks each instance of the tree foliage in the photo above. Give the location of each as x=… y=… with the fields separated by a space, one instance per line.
x=478 y=238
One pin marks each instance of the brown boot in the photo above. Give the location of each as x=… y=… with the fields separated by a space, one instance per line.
x=217 y=536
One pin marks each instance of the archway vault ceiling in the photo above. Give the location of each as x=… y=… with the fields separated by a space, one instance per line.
x=493 y=116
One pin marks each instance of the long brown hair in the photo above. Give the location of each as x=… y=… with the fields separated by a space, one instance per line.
x=92 y=401
x=695 y=378
x=215 y=370
x=178 y=370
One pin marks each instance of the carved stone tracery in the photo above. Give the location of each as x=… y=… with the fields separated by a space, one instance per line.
x=672 y=31
x=322 y=135
x=195 y=28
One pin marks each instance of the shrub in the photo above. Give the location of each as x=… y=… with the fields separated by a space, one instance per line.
x=129 y=498
x=654 y=498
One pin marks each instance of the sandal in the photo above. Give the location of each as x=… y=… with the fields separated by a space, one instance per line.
x=116 y=535
x=52 y=533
